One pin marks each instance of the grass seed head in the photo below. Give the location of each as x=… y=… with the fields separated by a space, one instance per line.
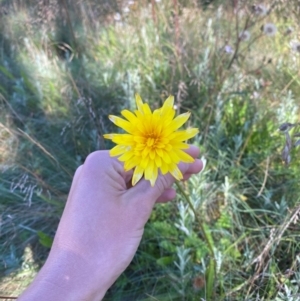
x=259 y=10
x=296 y=47
x=269 y=29
x=245 y=35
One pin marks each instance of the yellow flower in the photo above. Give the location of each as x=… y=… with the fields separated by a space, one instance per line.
x=153 y=142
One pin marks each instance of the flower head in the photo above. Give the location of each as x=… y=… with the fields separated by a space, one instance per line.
x=259 y=10
x=153 y=142
x=117 y=17
x=126 y=10
x=244 y=35
x=295 y=46
x=288 y=31
x=228 y=49
x=269 y=29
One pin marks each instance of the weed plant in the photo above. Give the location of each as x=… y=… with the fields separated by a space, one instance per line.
x=64 y=66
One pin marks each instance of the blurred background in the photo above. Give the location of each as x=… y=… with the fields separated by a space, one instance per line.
x=65 y=65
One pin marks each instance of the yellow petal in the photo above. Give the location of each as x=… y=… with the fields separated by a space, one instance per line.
x=156 y=118
x=124 y=139
x=180 y=145
x=151 y=173
x=139 y=103
x=118 y=150
x=126 y=156
x=183 y=135
x=139 y=114
x=154 y=176
x=146 y=109
x=174 y=157
x=140 y=146
x=137 y=175
x=179 y=121
x=145 y=152
x=175 y=172
x=149 y=170
x=152 y=154
x=147 y=124
x=168 y=147
x=168 y=105
x=129 y=116
x=124 y=124
x=183 y=156
x=164 y=168
x=133 y=162
x=157 y=160
x=166 y=158
x=168 y=117
x=144 y=162
x=164 y=140
x=139 y=139
x=159 y=152
x=108 y=136
x=160 y=145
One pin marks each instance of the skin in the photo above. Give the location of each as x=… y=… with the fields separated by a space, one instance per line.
x=100 y=229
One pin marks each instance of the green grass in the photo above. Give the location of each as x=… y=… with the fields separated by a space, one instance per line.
x=62 y=71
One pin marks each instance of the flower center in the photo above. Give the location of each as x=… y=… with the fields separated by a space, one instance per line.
x=151 y=142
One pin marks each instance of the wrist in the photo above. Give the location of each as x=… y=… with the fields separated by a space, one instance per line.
x=68 y=277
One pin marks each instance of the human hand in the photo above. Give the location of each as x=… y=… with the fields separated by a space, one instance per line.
x=101 y=228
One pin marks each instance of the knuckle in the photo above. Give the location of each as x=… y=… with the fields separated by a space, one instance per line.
x=78 y=169
x=97 y=159
x=164 y=182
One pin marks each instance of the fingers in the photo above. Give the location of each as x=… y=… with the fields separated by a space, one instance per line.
x=97 y=162
x=193 y=168
x=77 y=173
x=168 y=195
x=128 y=177
x=186 y=176
x=75 y=180
x=193 y=151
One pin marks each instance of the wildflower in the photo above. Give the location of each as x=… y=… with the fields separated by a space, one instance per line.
x=255 y=95
x=126 y=10
x=152 y=142
x=198 y=282
x=288 y=31
x=269 y=29
x=228 y=49
x=244 y=35
x=295 y=46
x=286 y=126
x=117 y=17
x=260 y=10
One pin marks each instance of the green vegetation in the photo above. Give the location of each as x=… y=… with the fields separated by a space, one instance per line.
x=65 y=65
